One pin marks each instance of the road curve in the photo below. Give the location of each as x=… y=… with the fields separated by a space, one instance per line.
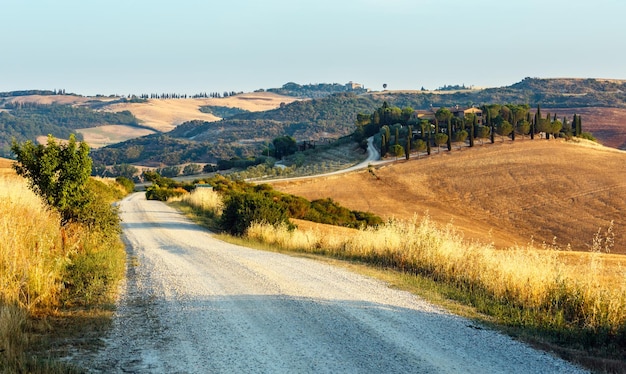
x=193 y=304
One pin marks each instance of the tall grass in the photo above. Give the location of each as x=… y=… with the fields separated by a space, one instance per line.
x=46 y=267
x=522 y=286
x=203 y=199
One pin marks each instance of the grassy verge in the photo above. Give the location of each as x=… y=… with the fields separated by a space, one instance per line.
x=570 y=303
x=57 y=282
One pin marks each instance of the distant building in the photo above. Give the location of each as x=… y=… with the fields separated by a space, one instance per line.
x=354 y=86
x=429 y=114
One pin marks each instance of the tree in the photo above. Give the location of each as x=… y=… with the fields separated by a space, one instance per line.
x=523 y=127
x=504 y=129
x=284 y=146
x=440 y=139
x=483 y=133
x=56 y=172
x=124 y=170
x=192 y=169
x=407 y=148
x=397 y=150
x=460 y=137
x=420 y=146
x=59 y=173
x=555 y=128
x=449 y=133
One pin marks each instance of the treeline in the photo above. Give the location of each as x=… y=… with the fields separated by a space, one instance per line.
x=33 y=92
x=314 y=91
x=222 y=111
x=399 y=132
x=201 y=95
x=27 y=121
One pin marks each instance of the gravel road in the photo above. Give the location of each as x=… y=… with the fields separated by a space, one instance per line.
x=193 y=304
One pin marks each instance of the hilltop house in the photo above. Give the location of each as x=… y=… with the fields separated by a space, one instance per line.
x=456 y=111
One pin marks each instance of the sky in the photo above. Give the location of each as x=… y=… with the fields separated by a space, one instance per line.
x=126 y=47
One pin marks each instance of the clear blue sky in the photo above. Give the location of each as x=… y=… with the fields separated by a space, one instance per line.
x=189 y=46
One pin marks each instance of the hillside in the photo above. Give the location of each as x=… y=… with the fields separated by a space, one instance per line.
x=506 y=193
x=602 y=104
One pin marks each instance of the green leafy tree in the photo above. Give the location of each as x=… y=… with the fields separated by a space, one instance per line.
x=460 y=137
x=284 y=146
x=59 y=173
x=124 y=170
x=523 y=127
x=419 y=146
x=397 y=150
x=192 y=169
x=483 y=133
x=555 y=128
x=504 y=129
x=440 y=139
x=56 y=172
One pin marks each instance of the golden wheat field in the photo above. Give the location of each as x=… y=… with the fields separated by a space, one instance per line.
x=511 y=193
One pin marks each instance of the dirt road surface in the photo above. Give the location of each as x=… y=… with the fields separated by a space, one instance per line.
x=193 y=304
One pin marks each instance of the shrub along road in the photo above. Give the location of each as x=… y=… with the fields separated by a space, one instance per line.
x=192 y=303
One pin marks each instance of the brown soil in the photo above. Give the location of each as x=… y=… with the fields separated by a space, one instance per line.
x=506 y=193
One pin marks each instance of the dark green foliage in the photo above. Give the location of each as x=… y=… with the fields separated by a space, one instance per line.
x=128 y=184
x=123 y=170
x=169 y=171
x=321 y=211
x=156 y=192
x=284 y=146
x=28 y=121
x=59 y=173
x=243 y=209
x=163 y=188
x=329 y=212
x=314 y=90
x=192 y=169
x=222 y=111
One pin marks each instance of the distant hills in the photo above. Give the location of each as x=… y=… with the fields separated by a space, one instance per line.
x=322 y=111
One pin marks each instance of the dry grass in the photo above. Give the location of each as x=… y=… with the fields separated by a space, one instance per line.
x=102 y=136
x=508 y=194
x=582 y=300
x=164 y=115
x=203 y=199
x=49 y=274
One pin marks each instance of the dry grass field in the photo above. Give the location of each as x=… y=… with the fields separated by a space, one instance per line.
x=510 y=193
x=164 y=115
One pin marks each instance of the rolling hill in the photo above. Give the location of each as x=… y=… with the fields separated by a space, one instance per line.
x=504 y=193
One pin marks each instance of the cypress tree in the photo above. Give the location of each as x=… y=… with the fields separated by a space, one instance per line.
x=428 y=140
x=472 y=129
x=407 y=149
x=449 y=143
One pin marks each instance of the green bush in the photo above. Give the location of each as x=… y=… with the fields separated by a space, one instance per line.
x=128 y=184
x=156 y=192
x=243 y=209
x=588 y=136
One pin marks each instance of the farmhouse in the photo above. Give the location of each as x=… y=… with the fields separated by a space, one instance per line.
x=459 y=112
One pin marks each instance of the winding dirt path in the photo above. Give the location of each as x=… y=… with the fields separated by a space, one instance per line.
x=193 y=304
